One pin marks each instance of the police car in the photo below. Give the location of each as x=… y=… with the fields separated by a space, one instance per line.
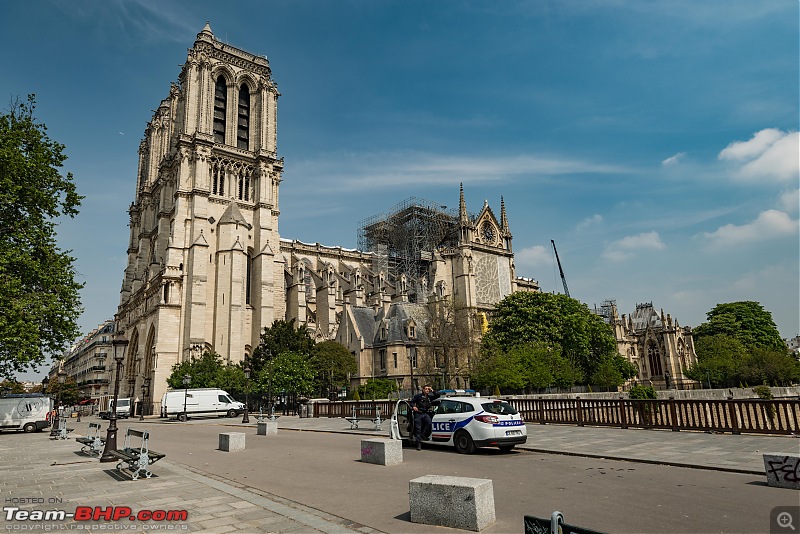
x=466 y=421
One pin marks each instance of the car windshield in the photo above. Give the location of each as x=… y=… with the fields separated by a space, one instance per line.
x=499 y=408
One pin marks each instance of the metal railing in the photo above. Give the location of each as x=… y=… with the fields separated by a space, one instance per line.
x=780 y=416
x=737 y=416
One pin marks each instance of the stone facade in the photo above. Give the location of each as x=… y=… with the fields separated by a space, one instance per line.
x=90 y=362
x=207 y=269
x=656 y=344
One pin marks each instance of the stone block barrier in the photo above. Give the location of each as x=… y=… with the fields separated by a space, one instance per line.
x=231 y=441
x=267 y=428
x=382 y=451
x=783 y=471
x=455 y=502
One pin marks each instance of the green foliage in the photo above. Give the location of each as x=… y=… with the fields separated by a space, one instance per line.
x=39 y=297
x=290 y=372
x=333 y=365
x=356 y=396
x=66 y=393
x=496 y=391
x=279 y=338
x=11 y=386
x=728 y=362
x=719 y=359
x=746 y=321
x=208 y=371
x=763 y=392
x=639 y=391
x=527 y=366
x=555 y=321
x=607 y=375
x=378 y=388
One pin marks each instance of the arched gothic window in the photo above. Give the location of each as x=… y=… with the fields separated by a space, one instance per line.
x=243 y=121
x=654 y=359
x=220 y=108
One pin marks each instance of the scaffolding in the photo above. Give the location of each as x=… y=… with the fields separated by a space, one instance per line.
x=605 y=309
x=406 y=238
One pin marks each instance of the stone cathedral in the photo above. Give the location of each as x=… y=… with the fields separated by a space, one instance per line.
x=208 y=270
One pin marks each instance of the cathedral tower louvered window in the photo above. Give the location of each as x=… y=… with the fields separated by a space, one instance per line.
x=220 y=105
x=243 y=121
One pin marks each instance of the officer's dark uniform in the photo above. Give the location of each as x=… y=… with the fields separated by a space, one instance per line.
x=422 y=415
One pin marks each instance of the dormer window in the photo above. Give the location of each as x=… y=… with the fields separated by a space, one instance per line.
x=412 y=331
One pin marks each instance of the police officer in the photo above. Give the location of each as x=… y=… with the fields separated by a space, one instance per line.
x=421 y=405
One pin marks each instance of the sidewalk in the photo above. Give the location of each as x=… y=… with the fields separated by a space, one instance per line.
x=37 y=473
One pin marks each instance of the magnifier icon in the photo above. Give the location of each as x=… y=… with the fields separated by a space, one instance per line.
x=784 y=520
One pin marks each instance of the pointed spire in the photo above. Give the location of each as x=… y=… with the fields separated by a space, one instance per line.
x=207 y=29
x=503 y=217
x=462 y=206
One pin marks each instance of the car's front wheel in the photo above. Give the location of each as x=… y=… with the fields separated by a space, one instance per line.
x=463 y=442
x=29 y=427
x=232 y=413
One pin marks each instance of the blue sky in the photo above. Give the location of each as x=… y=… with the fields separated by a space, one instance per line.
x=655 y=142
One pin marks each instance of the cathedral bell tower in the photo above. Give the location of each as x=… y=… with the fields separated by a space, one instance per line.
x=204 y=270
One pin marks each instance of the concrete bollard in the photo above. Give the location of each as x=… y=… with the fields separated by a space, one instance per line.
x=382 y=451
x=267 y=428
x=783 y=470
x=231 y=441
x=456 y=502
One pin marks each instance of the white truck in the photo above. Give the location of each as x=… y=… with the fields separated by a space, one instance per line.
x=202 y=401
x=26 y=412
x=107 y=404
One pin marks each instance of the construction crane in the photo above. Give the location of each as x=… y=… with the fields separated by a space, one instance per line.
x=560 y=270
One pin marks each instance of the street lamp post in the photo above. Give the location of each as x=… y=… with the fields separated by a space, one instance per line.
x=62 y=377
x=119 y=345
x=186 y=380
x=246 y=418
x=145 y=387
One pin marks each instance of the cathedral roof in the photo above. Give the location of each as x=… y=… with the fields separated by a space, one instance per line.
x=232 y=215
x=644 y=316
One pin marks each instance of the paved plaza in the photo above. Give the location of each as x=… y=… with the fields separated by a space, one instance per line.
x=37 y=473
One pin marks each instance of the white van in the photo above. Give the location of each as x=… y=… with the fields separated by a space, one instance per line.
x=123 y=407
x=27 y=412
x=183 y=403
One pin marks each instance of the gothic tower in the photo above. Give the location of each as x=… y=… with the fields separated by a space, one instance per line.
x=204 y=268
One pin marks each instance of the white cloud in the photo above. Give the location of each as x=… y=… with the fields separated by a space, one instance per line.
x=626 y=247
x=535 y=256
x=673 y=160
x=590 y=221
x=789 y=201
x=769 y=224
x=770 y=153
x=381 y=170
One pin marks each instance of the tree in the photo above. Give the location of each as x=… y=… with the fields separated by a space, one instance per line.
x=768 y=366
x=11 y=386
x=555 y=320
x=39 y=297
x=66 y=393
x=208 y=371
x=333 y=365
x=746 y=321
x=377 y=388
x=281 y=337
x=719 y=361
x=447 y=351
x=290 y=372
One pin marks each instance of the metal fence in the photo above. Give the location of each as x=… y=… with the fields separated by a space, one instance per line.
x=780 y=416
x=737 y=416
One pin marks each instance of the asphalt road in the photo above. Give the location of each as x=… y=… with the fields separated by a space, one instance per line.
x=323 y=470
